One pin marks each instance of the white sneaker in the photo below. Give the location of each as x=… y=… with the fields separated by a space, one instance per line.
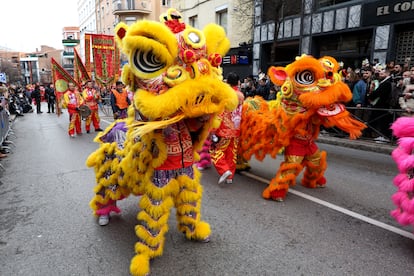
x=229 y=181
x=381 y=139
x=103 y=220
x=225 y=175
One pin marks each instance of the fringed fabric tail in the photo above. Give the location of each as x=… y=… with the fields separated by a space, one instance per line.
x=345 y=122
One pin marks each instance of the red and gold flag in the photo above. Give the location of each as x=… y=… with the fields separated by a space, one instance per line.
x=104 y=58
x=80 y=73
x=61 y=78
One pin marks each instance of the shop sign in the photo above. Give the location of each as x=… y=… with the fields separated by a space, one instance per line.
x=386 y=11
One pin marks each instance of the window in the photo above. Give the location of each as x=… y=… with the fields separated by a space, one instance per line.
x=131 y=4
x=166 y=3
x=326 y=3
x=193 y=20
x=221 y=18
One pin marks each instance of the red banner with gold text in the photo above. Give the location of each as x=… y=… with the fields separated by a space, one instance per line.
x=104 y=58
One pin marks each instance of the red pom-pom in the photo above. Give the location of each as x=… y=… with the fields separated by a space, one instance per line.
x=215 y=60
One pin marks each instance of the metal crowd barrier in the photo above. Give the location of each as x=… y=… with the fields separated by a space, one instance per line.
x=364 y=114
x=4 y=129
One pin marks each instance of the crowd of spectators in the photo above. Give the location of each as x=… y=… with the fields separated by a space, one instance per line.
x=381 y=93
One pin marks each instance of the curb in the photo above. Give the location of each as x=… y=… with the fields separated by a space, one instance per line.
x=357 y=144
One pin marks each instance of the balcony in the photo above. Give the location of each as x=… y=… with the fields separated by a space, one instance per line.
x=70 y=42
x=132 y=7
x=67 y=54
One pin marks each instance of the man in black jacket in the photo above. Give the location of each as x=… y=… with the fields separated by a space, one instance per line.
x=37 y=97
x=51 y=98
x=380 y=98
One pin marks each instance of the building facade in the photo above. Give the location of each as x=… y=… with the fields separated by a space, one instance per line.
x=70 y=41
x=350 y=31
x=236 y=17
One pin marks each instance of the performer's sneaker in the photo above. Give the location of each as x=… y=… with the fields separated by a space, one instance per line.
x=224 y=176
x=321 y=182
x=72 y=135
x=278 y=195
x=98 y=129
x=103 y=220
x=229 y=181
x=88 y=131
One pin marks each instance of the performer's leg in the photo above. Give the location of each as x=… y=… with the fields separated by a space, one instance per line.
x=188 y=204
x=88 y=123
x=285 y=177
x=222 y=158
x=95 y=119
x=71 y=129
x=78 y=123
x=315 y=168
x=155 y=206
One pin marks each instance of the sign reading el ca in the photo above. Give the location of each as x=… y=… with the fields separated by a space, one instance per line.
x=383 y=11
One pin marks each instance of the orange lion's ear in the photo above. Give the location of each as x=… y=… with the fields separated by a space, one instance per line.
x=277 y=75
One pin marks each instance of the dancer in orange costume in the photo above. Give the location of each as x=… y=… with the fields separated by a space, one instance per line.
x=92 y=99
x=312 y=95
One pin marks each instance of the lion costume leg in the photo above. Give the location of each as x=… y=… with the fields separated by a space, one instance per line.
x=315 y=164
x=155 y=204
x=188 y=204
x=285 y=177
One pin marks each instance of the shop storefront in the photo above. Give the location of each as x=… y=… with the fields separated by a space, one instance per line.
x=350 y=31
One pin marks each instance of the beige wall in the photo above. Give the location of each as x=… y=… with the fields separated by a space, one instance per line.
x=239 y=25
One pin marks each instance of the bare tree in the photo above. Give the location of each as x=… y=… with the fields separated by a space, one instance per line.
x=11 y=70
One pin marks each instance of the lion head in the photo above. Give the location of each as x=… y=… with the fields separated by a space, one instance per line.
x=312 y=84
x=174 y=68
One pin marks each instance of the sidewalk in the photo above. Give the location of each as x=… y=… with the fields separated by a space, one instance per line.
x=356 y=144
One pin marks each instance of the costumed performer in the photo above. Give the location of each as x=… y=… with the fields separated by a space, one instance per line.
x=313 y=95
x=403 y=155
x=175 y=72
x=72 y=100
x=119 y=101
x=92 y=98
x=226 y=137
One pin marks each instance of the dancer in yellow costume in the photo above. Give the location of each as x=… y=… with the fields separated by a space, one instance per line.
x=175 y=72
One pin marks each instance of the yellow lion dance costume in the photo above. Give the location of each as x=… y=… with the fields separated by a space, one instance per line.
x=311 y=95
x=175 y=72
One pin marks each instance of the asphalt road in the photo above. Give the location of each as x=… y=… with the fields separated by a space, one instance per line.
x=47 y=228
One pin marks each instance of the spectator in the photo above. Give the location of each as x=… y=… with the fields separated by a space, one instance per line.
x=37 y=97
x=406 y=99
x=379 y=97
x=248 y=87
x=263 y=87
x=50 y=97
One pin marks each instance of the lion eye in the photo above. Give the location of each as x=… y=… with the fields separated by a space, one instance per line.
x=304 y=77
x=147 y=62
x=193 y=37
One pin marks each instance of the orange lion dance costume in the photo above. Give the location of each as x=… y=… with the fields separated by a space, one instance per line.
x=175 y=72
x=312 y=94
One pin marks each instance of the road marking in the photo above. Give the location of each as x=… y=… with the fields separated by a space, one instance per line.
x=340 y=209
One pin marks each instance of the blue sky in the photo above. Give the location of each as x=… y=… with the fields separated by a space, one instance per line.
x=27 y=24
